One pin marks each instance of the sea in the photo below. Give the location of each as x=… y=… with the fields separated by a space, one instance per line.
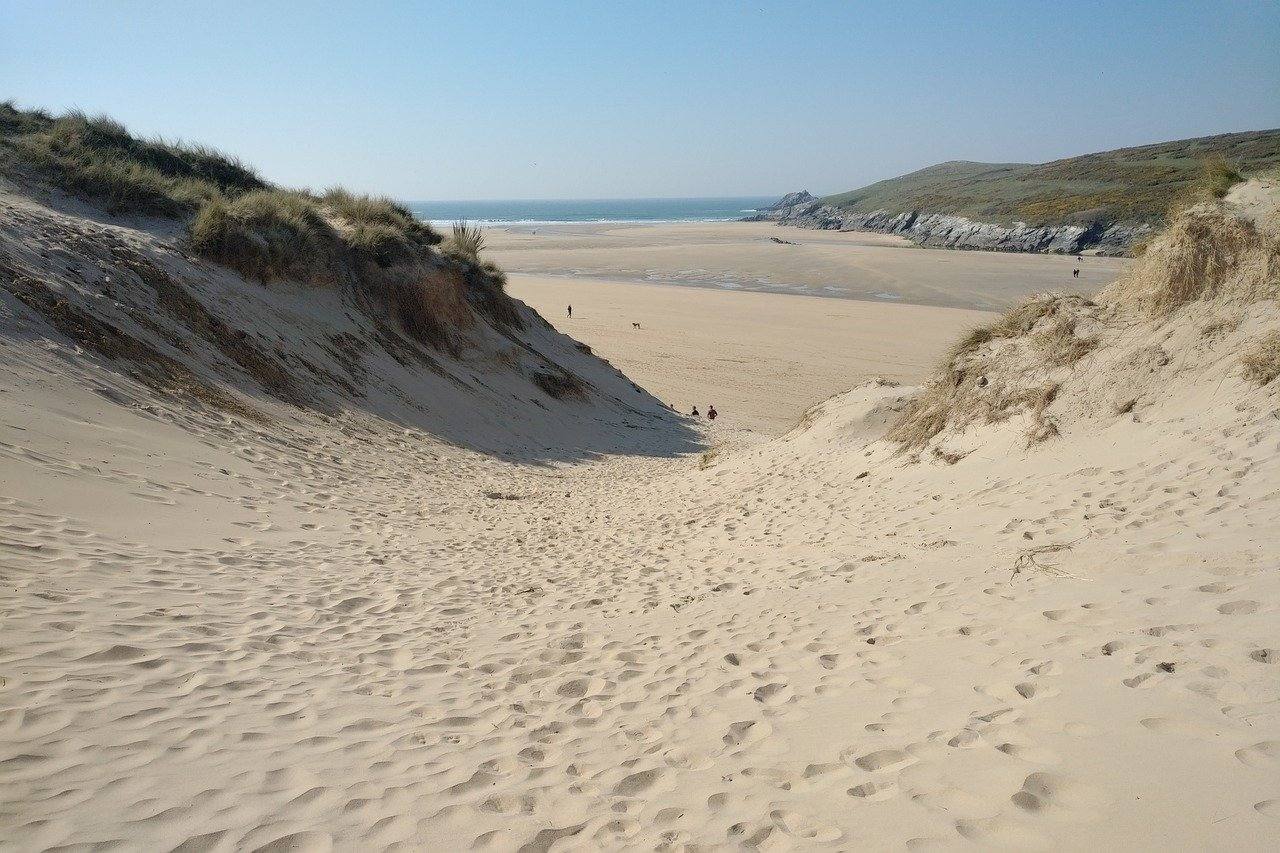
x=534 y=212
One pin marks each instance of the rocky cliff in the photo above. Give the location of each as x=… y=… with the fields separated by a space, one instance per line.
x=939 y=230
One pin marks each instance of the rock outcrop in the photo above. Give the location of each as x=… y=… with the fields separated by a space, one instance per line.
x=942 y=231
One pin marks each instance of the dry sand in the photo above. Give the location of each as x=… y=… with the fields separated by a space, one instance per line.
x=761 y=358
x=735 y=335
x=339 y=633
x=742 y=256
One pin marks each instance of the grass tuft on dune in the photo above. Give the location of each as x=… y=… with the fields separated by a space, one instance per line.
x=1212 y=258
x=266 y=233
x=1261 y=362
x=96 y=157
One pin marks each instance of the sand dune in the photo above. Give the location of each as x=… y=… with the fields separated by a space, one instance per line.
x=330 y=630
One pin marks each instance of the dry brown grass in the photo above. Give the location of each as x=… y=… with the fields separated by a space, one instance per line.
x=1221 y=326
x=1016 y=364
x=341 y=239
x=1016 y=321
x=1038 y=401
x=559 y=384
x=1216 y=178
x=486 y=290
x=428 y=302
x=925 y=417
x=1000 y=369
x=1028 y=560
x=1061 y=346
x=379 y=229
x=1261 y=362
x=949 y=457
x=1206 y=254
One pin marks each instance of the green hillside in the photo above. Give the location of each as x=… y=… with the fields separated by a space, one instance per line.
x=1128 y=184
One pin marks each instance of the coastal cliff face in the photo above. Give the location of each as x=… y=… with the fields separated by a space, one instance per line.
x=938 y=230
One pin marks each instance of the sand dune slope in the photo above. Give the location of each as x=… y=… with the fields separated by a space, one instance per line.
x=332 y=632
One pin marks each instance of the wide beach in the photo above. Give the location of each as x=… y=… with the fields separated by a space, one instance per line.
x=727 y=316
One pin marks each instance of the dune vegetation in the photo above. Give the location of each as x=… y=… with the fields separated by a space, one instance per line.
x=1261 y=362
x=97 y=158
x=374 y=245
x=1210 y=259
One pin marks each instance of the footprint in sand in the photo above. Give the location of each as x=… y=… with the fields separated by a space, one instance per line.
x=798 y=826
x=1043 y=792
x=1238 y=608
x=1029 y=753
x=875 y=792
x=773 y=694
x=1262 y=754
x=883 y=760
x=1180 y=728
x=1004 y=832
x=747 y=732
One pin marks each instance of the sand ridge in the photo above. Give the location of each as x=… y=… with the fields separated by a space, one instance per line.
x=331 y=630
x=413 y=645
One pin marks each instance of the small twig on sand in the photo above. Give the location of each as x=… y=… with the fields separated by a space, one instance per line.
x=1029 y=558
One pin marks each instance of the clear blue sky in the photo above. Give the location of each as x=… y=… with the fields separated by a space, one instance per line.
x=604 y=99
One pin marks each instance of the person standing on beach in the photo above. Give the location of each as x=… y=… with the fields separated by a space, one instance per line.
x=571 y=311
x=711 y=411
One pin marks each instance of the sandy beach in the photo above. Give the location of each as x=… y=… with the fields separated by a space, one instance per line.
x=743 y=256
x=446 y=603
x=761 y=358
x=765 y=330
x=326 y=526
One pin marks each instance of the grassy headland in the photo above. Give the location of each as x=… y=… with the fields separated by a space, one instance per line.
x=1126 y=185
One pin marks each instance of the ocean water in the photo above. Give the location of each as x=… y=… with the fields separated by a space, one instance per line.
x=591 y=210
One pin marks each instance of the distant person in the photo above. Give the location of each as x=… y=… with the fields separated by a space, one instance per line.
x=711 y=411
x=1075 y=273
x=694 y=413
x=571 y=311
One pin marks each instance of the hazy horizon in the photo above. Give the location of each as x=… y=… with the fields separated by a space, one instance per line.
x=574 y=101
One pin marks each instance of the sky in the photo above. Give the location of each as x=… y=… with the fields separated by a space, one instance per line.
x=504 y=100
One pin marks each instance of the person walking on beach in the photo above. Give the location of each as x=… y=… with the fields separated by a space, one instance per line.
x=711 y=411
x=571 y=311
